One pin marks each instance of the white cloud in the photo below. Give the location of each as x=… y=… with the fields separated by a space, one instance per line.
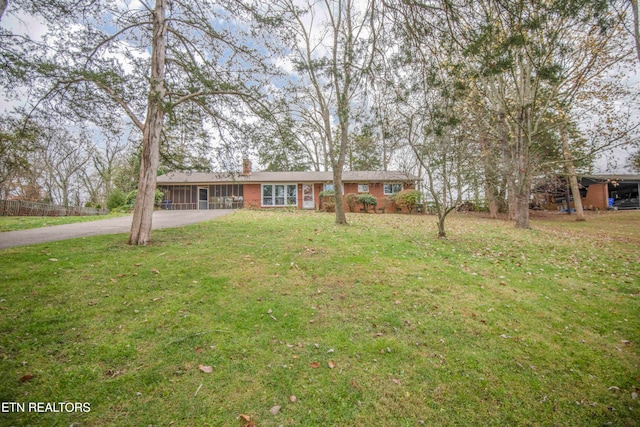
x=23 y=24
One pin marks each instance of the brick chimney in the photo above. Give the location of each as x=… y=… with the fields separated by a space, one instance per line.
x=246 y=167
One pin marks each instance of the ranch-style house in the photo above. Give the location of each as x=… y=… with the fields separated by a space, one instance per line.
x=210 y=190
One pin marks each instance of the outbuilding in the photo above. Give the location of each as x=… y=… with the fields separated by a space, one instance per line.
x=611 y=191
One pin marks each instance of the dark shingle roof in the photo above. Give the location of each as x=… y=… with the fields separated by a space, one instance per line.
x=258 y=177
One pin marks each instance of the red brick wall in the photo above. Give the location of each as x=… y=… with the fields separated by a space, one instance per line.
x=252 y=195
x=376 y=190
x=597 y=197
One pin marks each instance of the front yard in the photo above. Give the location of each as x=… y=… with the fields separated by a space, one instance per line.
x=283 y=318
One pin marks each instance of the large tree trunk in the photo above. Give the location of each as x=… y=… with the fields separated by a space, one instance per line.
x=442 y=232
x=573 y=180
x=143 y=213
x=511 y=199
x=521 y=172
x=3 y=6
x=338 y=166
x=491 y=199
x=64 y=188
x=522 y=208
x=521 y=196
x=341 y=216
x=490 y=178
x=636 y=26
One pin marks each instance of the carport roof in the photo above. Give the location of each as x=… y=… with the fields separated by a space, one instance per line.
x=259 y=177
x=587 y=180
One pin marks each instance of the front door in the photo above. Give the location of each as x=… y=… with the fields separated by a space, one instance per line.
x=307 y=197
x=203 y=198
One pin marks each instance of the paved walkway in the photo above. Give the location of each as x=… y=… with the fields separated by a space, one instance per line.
x=161 y=219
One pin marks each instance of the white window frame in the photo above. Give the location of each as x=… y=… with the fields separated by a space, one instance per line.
x=324 y=187
x=274 y=195
x=392 y=184
x=363 y=188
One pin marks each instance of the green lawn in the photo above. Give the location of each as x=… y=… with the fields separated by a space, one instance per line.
x=374 y=324
x=13 y=223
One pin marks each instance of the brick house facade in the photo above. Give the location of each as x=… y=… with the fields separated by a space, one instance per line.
x=300 y=190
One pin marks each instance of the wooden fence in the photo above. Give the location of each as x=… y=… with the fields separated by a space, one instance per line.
x=22 y=208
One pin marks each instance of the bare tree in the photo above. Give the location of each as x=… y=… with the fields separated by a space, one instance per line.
x=334 y=45
x=64 y=156
x=146 y=63
x=525 y=61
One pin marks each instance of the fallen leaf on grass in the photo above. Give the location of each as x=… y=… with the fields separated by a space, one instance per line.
x=292 y=398
x=331 y=364
x=247 y=421
x=275 y=410
x=205 y=369
x=26 y=378
x=314 y=365
x=155 y=270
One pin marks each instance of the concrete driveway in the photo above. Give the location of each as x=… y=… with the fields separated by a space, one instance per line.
x=161 y=219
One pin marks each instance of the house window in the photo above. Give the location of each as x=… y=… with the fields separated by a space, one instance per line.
x=363 y=188
x=392 y=188
x=331 y=187
x=279 y=194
